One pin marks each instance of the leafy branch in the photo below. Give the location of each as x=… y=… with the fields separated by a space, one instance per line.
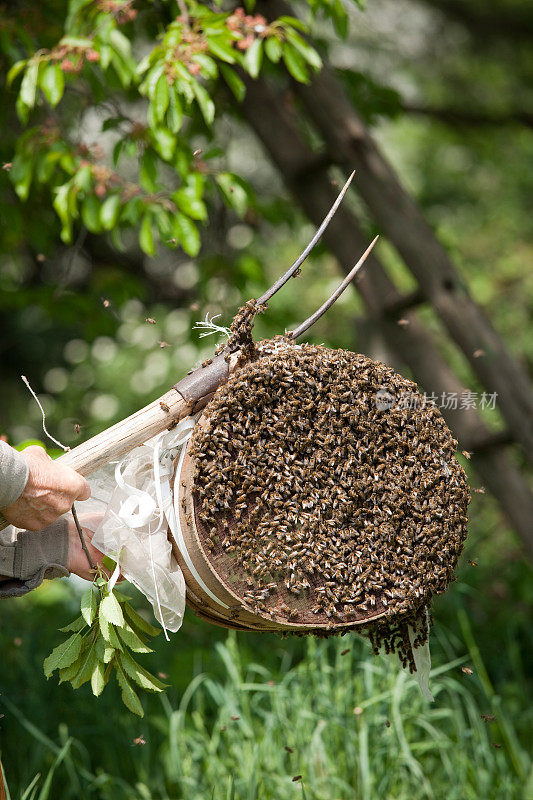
x=103 y=640
x=198 y=53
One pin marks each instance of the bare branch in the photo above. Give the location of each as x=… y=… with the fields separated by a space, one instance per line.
x=336 y=294
x=281 y=281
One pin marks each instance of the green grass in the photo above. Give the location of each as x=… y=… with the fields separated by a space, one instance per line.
x=294 y=693
x=227 y=735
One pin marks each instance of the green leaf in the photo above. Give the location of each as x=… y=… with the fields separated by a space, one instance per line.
x=89 y=605
x=120 y=43
x=52 y=82
x=140 y=675
x=86 y=669
x=83 y=178
x=68 y=673
x=148 y=171
x=254 y=58
x=273 y=49
x=207 y=107
x=98 y=681
x=110 y=564
x=340 y=18
x=160 y=98
x=21 y=174
x=109 y=214
x=15 y=70
x=307 y=52
x=129 y=696
x=293 y=22
x=174 y=113
x=190 y=205
x=90 y=213
x=28 y=87
x=77 y=41
x=104 y=651
x=138 y=622
x=164 y=142
x=63 y=655
x=77 y=625
x=209 y=67
x=234 y=193
x=236 y=85
x=117 y=150
x=195 y=183
x=220 y=48
x=109 y=633
x=111 y=611
x=146 y=237
x=295 y=63
x=61 y=205
x=186 y=232
x=132 y=640
x=121 y=597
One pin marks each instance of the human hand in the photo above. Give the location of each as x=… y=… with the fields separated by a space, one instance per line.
x=50 y=491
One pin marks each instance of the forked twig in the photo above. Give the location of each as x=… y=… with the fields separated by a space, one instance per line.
x=336 y=294
x=82 y=538
x=282 y=280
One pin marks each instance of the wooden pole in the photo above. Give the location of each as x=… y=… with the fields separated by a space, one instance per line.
x=187 y=397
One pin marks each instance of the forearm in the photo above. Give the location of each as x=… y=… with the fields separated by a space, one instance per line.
x=13 y=475
x=32 y=557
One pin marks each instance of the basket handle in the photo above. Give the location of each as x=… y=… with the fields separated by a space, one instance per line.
x=187 y=397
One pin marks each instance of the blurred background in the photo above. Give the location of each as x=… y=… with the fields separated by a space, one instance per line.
x=101 y=327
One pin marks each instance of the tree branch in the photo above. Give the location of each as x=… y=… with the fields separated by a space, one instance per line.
x=464 y=117
x=488 y=19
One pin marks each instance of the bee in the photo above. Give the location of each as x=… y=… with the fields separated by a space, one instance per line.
x=164 y=407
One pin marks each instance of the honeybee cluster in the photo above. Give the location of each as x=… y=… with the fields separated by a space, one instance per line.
x=330 y=508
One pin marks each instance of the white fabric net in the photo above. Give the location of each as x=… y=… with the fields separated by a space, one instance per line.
x=135 y=498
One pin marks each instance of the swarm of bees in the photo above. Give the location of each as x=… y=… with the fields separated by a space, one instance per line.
x=329 y=508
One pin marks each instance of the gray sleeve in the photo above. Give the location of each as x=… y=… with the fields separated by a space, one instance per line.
x=13 y=474
x=32 y=557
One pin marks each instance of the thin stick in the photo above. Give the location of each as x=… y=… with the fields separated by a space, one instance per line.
x=301 y=258
x=183 y=11
x=66 y=449
x=82 y=538
x=59 y=444
x=336 y=294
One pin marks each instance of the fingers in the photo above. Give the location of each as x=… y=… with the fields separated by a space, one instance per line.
x=85 y=489
x=35 y=451
x=50 y=491
x=77 y=560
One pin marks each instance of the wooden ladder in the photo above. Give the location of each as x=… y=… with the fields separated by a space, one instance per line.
x=324 y=106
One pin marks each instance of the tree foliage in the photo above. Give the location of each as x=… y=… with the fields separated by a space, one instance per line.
x=155 y=183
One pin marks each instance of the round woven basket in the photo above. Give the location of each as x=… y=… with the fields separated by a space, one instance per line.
x=412 y=497
x=225 y=581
